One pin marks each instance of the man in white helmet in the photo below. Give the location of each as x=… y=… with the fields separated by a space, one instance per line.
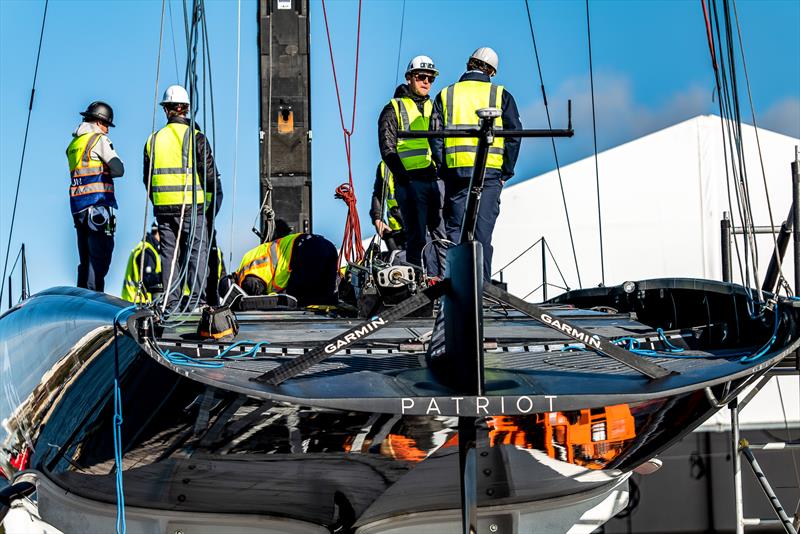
x=455 y=107
x=185 y=190
x=416 y=187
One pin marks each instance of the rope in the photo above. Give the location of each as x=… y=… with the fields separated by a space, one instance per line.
x=553 y=143
x=352 y=249
x=594 y=137
x=763 y=350
x=117 y=429
x=758 y=142
x=198 y=32
x=726 y=121
x=140 y=286
x=236 y=128
x=22 y=157
x=181 y=359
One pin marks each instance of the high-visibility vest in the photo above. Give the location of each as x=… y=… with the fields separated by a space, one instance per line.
x=460 y=101
x=171 y=153
x=414 y=153
x=271 y=262
x=132 y=277
x=90 y=183
x=391 y=202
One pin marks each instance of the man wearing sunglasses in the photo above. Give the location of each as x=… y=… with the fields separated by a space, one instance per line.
x=455 y=107
x=416 y=187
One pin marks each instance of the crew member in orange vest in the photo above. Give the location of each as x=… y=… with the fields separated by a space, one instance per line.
x=301 y=265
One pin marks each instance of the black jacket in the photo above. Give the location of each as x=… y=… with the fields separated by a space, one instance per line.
x=376 y=203
x=387 y=139
x=510 y=116
x=204 y=165
x=150 y=278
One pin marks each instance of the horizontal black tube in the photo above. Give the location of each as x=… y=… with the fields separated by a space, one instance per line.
x=757 y=230
x=476 y=133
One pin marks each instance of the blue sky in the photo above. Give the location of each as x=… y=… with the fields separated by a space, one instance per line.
x=651 y=70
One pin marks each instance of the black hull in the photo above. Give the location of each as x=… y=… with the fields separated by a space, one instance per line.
x=345 y=446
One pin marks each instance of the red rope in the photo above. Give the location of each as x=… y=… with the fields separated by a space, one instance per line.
x=710 y=37
x=352 y=249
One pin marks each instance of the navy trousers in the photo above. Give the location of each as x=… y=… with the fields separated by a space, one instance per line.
x=420 y=203
x=455 y=203
x=190 y=264
x=94 y=249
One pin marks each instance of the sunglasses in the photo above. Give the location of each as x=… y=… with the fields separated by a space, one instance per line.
x=425 y=77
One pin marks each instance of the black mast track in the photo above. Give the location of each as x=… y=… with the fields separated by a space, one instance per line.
x=285 y=121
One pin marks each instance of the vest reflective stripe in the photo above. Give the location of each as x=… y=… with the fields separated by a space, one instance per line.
x=84 y=165
x=130 y=285
x=88 y=189
x=391 y=202
x=460 y=101
x=414 y=153
x=270 y=262
x=174 y=181
x=90 y=183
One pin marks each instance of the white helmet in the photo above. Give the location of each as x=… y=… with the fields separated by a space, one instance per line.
x=422 y=63
x=175 y=94
x=487 y=55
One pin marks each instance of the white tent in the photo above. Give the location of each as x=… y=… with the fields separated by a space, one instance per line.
x=662 y=199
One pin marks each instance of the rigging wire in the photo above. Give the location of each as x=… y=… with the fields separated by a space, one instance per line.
x=266 y=203
x=352 y=248
x=24 y=147
x=140 y=286
x=739 y=144
x=198 y=33
x=174 y=48
x=190 y=82
x=594 y=137
x=400 y=44
x=207 y=90
x=731 y=135
x=553 y=142
x=236 y=127
x=758 y=142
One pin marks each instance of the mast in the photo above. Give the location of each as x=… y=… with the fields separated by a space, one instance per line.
x=285 y=112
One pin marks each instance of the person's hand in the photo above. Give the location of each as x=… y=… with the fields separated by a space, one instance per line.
x=380 y=226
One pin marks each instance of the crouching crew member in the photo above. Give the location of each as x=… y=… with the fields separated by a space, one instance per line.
x=301 y=265
x=93 y=164
x=150 y=274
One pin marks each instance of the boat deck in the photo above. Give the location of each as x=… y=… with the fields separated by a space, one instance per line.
x=522 y=358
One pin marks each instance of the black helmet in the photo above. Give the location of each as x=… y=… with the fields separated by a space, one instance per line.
x=101 y=111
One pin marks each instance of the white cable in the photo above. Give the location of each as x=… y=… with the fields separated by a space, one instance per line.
x=140 y=285
x=236 y=128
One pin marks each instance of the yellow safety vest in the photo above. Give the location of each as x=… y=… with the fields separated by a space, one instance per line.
x=460 y=101
x=171 y=153
x=414 y=153
x=391 y=202
x=271 y=262
x=90 y=183
x=131 y=283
